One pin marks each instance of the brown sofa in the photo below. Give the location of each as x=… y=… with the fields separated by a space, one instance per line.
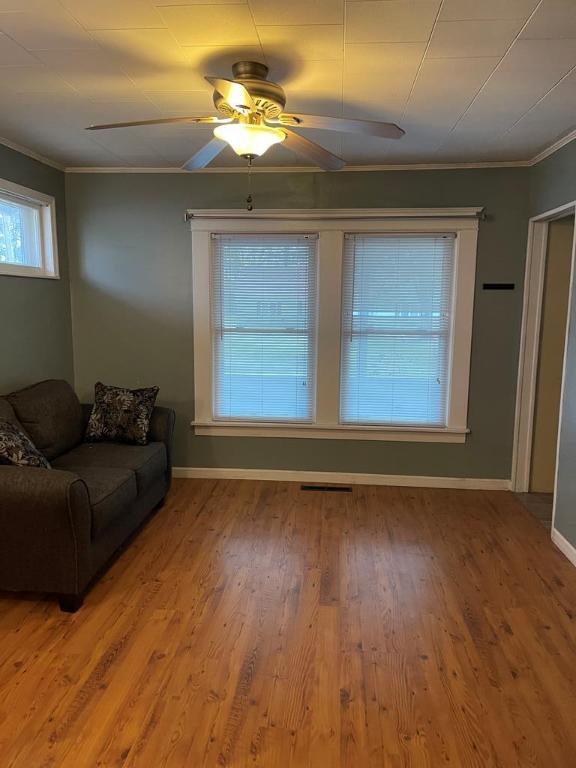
x=59 y=527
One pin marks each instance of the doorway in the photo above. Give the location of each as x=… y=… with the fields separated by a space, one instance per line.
x=546 y=308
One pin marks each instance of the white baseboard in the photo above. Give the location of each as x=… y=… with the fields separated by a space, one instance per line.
x=564 y=546
x=347 y=478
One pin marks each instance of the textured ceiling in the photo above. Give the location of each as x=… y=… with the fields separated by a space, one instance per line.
x=469 y=80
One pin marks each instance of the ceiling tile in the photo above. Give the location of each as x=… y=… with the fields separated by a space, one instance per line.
x=464 y=39
x=555 y=111
x=369 y=151
x=527 y=73
x=459 y=10
x=267 y=13
x=174 y=145
x=482 y=151
x=527 y=137
x=91 y=72
x=34 y=79
x=378 y=78
x=432 y=103
x=211 y=24
x=77 y=151
x=160 y=3
x=26 y=5
x=127 y=146
x=118 y=111
x=390 y=21
x=460 y=103
x=114 y=14
x=554 y=19
x=318 y=79
x=179 y=103
x=12 y=54
x=50 y=27
x=45 y=113
x=304 y=43
x=151 y=58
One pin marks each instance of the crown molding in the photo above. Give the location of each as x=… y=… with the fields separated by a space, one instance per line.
x=305 y=169
x=554 y=147
x=30 y=153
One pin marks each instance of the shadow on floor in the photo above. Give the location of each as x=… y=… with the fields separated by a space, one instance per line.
x=539 y=505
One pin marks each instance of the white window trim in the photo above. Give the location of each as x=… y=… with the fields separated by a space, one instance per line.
x=331 y=226
x=48 y=241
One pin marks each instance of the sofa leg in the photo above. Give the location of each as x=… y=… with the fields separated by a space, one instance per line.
x=70 y=603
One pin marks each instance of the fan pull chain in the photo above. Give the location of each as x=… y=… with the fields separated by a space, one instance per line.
x=249 y=206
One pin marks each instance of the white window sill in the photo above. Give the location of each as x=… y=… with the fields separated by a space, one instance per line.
x=13 y=270
x=332 y=432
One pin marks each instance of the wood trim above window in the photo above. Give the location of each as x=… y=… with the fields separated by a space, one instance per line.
x=328 y=214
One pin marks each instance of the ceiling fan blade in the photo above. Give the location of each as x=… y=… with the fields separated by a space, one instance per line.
x=234 y=93
x=205 y=155
x=312 y=151
x=161 y=121
x=347 y=125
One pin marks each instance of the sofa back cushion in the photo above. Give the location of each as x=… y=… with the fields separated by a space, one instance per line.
x=51 y=414
x=7 y=412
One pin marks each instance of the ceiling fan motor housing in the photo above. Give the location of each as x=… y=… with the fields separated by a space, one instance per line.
x=269 y=97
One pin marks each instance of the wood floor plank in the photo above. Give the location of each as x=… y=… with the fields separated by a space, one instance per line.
x=253 y=624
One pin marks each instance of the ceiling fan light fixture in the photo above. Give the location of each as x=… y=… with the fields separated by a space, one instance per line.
x=249 y=140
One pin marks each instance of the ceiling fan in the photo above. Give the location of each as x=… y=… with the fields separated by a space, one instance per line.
x=253 y=119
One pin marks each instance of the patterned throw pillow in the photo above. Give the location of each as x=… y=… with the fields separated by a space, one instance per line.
x=121 y=415
x=16 y=448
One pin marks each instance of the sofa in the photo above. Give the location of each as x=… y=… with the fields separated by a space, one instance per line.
x=60 y=527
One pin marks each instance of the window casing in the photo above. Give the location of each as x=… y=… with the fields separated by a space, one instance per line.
x=449 y=321
x=27 y=232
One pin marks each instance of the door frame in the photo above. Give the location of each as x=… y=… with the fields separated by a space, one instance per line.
x=534 y=278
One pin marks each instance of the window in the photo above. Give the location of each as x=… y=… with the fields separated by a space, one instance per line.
x=333 y=324
x=397 y=327
x=27 y=232
x=263 y=296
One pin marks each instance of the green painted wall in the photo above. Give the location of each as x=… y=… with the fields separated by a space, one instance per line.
x=132 y=303
x=552 y=184
x=553 y=181
x=35 y=318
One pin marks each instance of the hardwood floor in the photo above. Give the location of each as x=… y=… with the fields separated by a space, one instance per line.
x=538 y=504
x=254 y=624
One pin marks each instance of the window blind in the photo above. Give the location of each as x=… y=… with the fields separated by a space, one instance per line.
x=19 y=233
x=396 y=329
x=263 y=307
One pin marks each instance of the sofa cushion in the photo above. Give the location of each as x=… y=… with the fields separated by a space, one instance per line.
x=148 y=462
x=51 y=414
x=110 y=492
x=121 y=415
x=16 y=447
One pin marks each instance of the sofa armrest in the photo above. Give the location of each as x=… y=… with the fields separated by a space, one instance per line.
x=162 y=429
x=45 y=524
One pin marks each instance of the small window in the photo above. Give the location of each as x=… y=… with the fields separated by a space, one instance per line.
x=27 y=232
x=397 y=328
x=263 y=297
